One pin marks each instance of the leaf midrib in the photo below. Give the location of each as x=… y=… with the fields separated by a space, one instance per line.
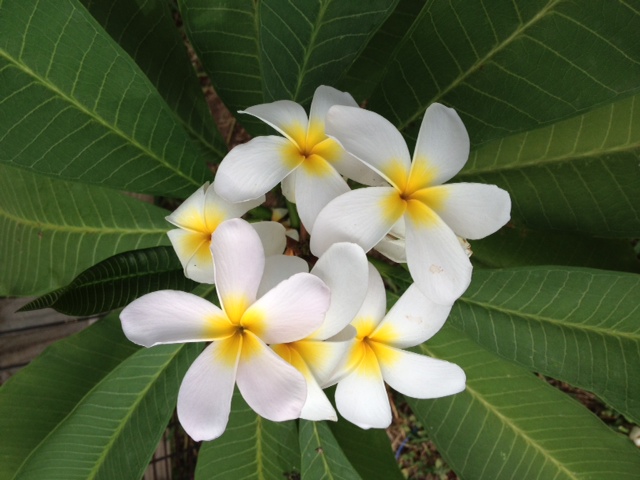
x=94 y=115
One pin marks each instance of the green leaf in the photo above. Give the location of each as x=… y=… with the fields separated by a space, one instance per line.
x=508 y=66
x=510 y=424
x=257 y=52
x=162 y=56
x=577 y=175
x=41 y=395
x=368 y=451
x=251 y=447
x=576 y=325
x=117 y=281
x=76 y=106
x=514 y=246
x=51 y=230
x=114 y=430
x=321 y=455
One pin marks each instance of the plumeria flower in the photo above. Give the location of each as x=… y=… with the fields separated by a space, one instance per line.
x=306 y=161
x=239 y=332
x=198 y=218
x=432 y=215
x=376 y=356
x=344 y=268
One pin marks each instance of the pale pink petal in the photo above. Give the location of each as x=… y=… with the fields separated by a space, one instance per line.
x=239 y=263
x=373 y=140
x=290 y=311
x=412 y=320
x=204 y=399
x=272 y=235
x=344 y=268
x=473 y=210
x=360 y=216
x=190 y=214
x=314 y=190
x=171 y=316
x=442 y=147
x=194 y=254
x=419 y=376
x=437 y=261
x=285 y=116
x=278 y=268
x=273 y=389
x=252 y=169
x=362 y=399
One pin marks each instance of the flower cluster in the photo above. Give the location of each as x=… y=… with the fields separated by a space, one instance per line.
x=282 y=333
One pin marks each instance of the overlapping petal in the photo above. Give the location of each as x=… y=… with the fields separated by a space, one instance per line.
x=273 y=237
x=238 y=267
x=278 y=268
x=361 y=216
x=204 y=399
x=271 y=387
x=323 y=99
x=253 y=168
x=292 y=310
x=170 y=316
x=473 y=210
x=442 y=147
x=419 y=376
x=412 y=320
x=438 y=264
x=285 y=116
x=373 y=140
x=192 y=249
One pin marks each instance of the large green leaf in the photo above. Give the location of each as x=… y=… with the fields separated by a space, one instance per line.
x=510 y=66
x=577 y=325
x=514 y=246
x=117 y=281
x=321 y=455
x=114 y=430
x=39 y=397
x=510 y=424
x=51 y=230
x=251 y=447
x=578 y=174
x=257 y=52
x=75 y=105
x=162 y=56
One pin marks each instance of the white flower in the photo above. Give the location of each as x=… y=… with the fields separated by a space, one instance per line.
x=343 y=267
x=306 y=161
x=376 y=356
x=197 y=219
x=239 y=333
x=433 y=214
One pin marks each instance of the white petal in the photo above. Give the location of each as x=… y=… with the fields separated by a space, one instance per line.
x=194 y=253
x=238 y=267
x=170 y=316
x=392 y=245
x=290 y=311
x=419 y=376
x=273 y=237
x=374 y=306
x=362 y=399
x=204 y=400
x=217 y=209
x=473 y=210
x=361 y=216
x=322 y=358
x=288 y=187
x=372 y=139
x=324 y=98
x=442 y=147
x=285 y=116
x=190 y=214
x=438 y=264
x=314 y=192
x=271 y=387
x=352 y=168
x=317 y=406
x=412 y=320
x=253 y=168
x=344 y=268
x=278 y=268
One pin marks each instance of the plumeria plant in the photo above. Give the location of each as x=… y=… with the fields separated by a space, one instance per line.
x=461 y=198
